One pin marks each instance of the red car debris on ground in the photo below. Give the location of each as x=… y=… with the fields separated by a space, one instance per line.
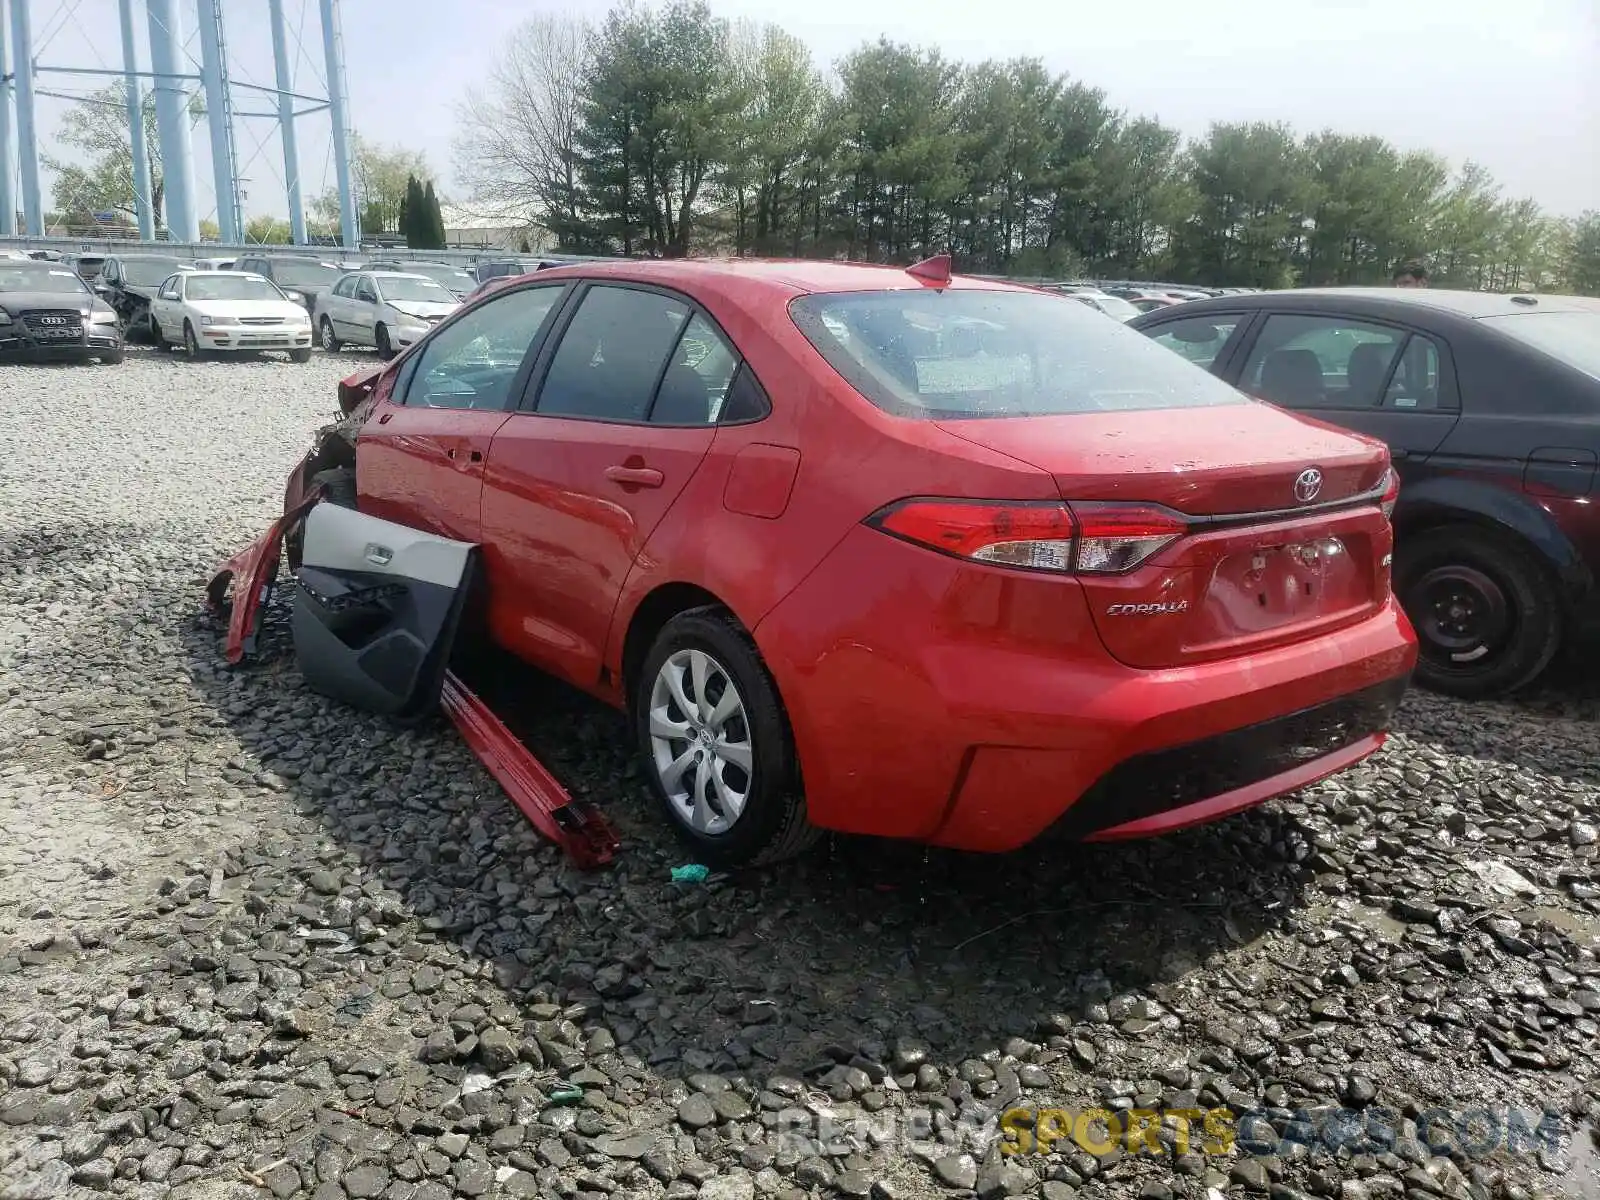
x=859 y=548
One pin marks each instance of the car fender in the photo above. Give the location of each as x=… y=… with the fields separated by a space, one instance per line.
x=1446 y=499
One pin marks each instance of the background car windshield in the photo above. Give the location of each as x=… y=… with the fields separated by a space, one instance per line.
x=1116 y=306
x=148 y=272
x=309 y=274
x=404 y=289
x=1570 y=337
x=39 y=279
x=957 y=353
x=452 y=278
x=225 y=287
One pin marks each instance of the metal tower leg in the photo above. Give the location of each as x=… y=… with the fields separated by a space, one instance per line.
x=219 y=118
x=172 y=119
x=27 y=136
x=338 y=104
x=286 y=131
x=8 y=200
x=143 y=212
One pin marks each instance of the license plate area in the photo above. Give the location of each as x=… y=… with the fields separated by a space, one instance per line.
x=59 y=333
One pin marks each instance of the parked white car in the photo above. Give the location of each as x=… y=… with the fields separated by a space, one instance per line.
x=387 y=310
x=204 y=311
x=213 y=264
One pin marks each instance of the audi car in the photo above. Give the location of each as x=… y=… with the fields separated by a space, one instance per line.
x=47 y=311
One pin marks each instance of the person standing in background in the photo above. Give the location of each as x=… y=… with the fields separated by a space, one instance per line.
x=1410 y=275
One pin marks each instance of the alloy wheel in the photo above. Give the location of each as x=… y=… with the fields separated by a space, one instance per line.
x=700 y=742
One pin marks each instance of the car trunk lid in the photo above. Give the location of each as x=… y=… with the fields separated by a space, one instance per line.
x=1268 y=527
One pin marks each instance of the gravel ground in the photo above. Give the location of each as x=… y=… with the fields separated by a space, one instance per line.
x=252 y=942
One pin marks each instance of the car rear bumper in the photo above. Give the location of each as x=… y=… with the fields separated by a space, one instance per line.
x=977 y=708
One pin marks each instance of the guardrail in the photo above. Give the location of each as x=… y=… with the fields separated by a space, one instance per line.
x=462 y=255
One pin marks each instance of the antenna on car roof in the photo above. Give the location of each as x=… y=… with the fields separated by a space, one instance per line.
x=931 y=270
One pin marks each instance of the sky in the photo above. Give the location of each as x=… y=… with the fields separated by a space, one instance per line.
x=1512 y=84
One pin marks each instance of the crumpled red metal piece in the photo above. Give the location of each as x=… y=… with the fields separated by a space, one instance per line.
x=252 y=572
x=580 y=830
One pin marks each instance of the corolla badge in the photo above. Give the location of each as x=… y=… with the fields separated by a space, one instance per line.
x=1307 y=485
x=1148 y=610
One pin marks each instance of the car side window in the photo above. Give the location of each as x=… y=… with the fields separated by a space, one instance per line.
x=1198 y=339
x=172 y=288
x=108 y=271
x=1306 y=361
x=1415 y=383
x=473 y=361
x=342 y=288
x=613 y=354
x=694 y=387
x=366 y=291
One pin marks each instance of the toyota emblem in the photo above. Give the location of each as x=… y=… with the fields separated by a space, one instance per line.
x=1307 y=484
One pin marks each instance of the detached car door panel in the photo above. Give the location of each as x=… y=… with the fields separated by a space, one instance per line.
x=624 y=411
x=377 y=610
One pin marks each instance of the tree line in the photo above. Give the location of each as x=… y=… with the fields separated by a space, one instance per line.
x=671 y=131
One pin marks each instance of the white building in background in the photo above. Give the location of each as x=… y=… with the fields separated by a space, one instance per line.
x=492 y=231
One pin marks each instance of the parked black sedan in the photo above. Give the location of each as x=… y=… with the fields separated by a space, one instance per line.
x=1490 y=405
x=128 y=282
x=48 y=312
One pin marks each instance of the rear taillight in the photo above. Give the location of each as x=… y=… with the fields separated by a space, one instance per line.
x=1092 y=539
x=1391 y=491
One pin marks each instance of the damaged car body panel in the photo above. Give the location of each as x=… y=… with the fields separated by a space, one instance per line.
x=375 y=620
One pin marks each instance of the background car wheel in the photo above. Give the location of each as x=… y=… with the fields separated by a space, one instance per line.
x=111 y=357
x=717 y=746
x=1485 y=610
x=191 y=344
x=300 y=356
x=385 y=347
x=330 y=340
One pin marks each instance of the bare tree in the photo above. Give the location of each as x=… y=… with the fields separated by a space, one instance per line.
x=517 y=151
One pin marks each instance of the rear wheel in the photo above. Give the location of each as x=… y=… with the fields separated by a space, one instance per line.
x=1485 y=610
x=717 y=746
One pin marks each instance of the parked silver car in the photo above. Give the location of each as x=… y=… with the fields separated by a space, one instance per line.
x=385 y=309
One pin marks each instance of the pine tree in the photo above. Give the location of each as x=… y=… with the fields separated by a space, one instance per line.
x=434 y=226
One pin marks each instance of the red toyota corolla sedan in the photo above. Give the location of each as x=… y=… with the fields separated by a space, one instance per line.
x=872 y=550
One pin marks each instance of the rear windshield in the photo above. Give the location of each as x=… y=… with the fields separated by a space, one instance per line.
x=948 y=354
x=1569 y=337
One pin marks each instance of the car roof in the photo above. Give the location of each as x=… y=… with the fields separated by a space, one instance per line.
x=792 y=277
x=241 y=274
x=1400 y=301
x=395 y=274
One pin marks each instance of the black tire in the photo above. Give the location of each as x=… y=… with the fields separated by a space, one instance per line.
x=111 y=357
x=161 y=338
x=772 y=825
x=302 y=355
x=385 y=346
x=191 y=344
x=339 y=484
x=330 y=340
x=1485 y=608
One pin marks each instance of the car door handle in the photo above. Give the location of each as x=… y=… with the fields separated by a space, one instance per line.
x=644 y=477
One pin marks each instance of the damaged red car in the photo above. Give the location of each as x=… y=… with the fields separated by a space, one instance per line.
x=867 y=549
